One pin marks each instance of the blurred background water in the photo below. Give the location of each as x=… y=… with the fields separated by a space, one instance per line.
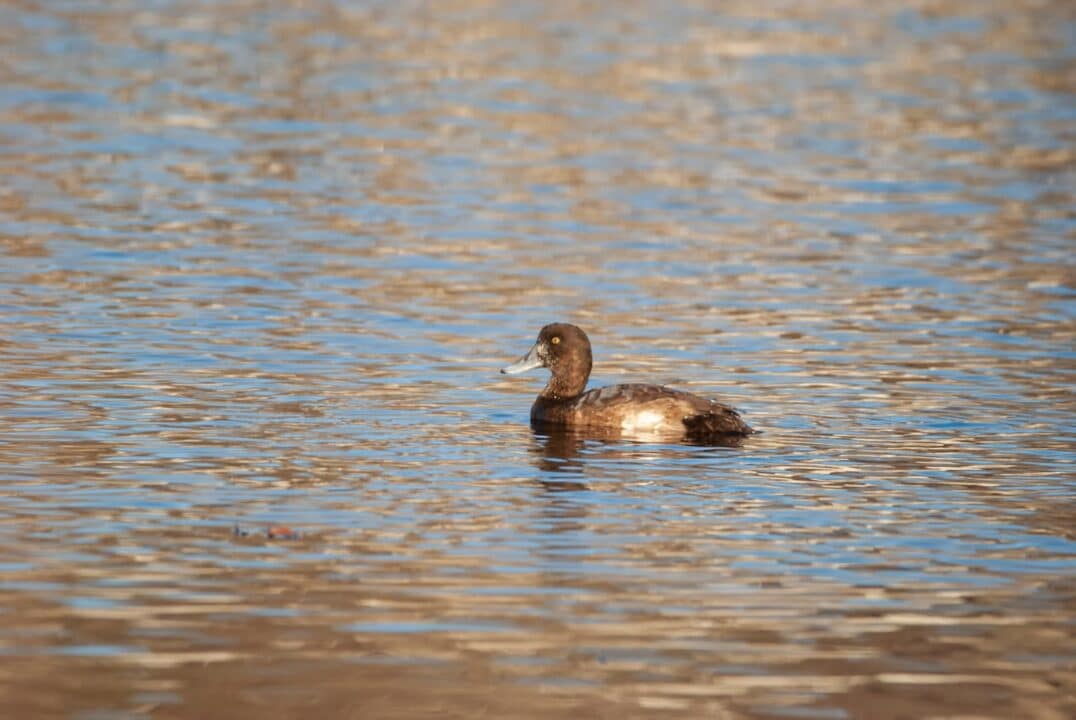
x=260 y=262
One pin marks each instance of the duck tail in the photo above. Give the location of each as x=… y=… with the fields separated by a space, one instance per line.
x=719 y=424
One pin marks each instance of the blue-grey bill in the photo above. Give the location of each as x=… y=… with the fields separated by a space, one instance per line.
x=525 y=363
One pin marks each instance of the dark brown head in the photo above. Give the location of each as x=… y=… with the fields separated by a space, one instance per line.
x=565 y=350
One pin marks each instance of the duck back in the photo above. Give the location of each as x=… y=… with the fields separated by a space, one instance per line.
x=641 y=408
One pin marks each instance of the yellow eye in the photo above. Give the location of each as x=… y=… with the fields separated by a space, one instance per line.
x=555 y=340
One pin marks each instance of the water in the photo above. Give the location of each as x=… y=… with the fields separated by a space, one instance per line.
x=261 y=263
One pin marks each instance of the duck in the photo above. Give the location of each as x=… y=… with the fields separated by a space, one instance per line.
x=626 y=410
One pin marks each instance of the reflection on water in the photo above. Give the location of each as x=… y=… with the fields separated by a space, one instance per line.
x=569 y=452
x=260 y=265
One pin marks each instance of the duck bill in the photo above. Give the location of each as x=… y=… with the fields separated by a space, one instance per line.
x=525 y=363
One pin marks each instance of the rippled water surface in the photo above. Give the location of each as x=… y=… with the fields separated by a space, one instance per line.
x=260 y=263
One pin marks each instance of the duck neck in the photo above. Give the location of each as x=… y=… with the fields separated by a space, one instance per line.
x=569 y=378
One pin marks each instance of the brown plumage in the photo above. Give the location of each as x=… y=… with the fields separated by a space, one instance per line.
x=649 y=411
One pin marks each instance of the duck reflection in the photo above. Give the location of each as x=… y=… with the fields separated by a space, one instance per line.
x=559 y=451
x=565 y=452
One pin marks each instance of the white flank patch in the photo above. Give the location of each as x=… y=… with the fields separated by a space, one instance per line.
x=642 y=420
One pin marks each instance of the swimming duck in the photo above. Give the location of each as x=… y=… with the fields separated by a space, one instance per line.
x=628 y=410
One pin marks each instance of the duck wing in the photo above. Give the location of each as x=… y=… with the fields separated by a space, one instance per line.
x=702 y=419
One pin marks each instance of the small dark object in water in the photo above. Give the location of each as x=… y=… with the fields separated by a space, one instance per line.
x=276 y=532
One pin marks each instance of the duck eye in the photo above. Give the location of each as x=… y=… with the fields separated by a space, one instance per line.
x=555 y=340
